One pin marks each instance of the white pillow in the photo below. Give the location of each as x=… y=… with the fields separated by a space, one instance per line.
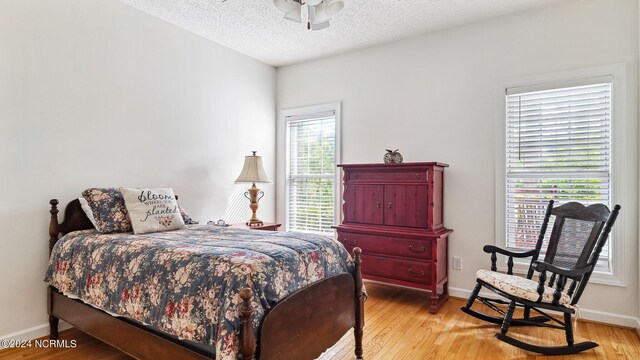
x=87 y=210
x=152 y=210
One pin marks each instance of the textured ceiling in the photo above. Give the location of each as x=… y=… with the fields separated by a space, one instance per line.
x=256 y=28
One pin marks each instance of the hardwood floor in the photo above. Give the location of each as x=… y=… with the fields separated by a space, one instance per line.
x=399 y=326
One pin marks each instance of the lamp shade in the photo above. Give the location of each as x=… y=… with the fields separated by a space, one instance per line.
x=253 y=170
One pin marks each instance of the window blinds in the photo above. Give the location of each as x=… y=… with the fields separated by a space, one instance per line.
x=558 y=146
x=311 y=164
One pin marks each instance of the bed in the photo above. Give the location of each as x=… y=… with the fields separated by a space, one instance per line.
x=264 y=319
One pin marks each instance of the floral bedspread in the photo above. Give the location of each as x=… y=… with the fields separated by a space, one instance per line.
x=187 y=282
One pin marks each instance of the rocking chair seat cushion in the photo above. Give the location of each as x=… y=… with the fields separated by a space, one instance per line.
x=520 y=287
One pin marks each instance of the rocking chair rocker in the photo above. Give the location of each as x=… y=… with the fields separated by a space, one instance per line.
x=578 y=236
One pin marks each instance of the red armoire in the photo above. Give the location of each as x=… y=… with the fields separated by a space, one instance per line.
x=393 y=212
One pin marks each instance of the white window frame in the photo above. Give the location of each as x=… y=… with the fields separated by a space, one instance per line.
x=283 y=208
x=619 y=139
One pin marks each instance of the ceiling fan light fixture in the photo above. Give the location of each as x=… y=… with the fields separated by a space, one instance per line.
x=295 y=14
x=283 y=5
x=333 y=6
x=320 y=26
x=318 y=14
x=319 y=11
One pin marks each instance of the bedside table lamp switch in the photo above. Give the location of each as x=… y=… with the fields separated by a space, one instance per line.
x=253 y=172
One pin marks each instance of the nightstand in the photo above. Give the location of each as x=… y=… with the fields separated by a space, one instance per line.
x=266 y=226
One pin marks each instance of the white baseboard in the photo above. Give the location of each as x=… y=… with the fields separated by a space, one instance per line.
x=34 y=332
x=587 y=314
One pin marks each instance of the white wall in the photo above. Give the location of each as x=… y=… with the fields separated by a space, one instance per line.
x=638 y=322
x=434 y=98
x=96 y=93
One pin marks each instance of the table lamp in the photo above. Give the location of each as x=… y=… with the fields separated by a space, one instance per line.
x=253 y=172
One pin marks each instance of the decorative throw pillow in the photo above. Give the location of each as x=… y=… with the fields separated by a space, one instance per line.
x=152 y=210
x=109 y=211
x=87 y=210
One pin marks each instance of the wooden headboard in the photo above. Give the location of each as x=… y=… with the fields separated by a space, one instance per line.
x=74 y=219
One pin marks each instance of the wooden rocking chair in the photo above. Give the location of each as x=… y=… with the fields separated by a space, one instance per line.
x=579 y=234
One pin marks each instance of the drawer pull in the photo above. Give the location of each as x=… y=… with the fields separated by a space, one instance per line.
x=356 y=176
x=378 y=205
x=389 y=205
x=352 y=243
x=417 y=251
x=416 y=274
x=417 y=176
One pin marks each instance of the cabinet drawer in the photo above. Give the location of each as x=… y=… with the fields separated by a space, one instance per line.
x=382 y=176
x=412 y=271
x=384 y=245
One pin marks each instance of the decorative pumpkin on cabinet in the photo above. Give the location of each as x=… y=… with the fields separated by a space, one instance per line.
x=392 y=157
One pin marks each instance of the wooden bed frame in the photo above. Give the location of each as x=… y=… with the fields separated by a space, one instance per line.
x=301 y=326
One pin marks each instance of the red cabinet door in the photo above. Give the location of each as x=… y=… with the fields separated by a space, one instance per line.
x=364 y=204
x=405 y=205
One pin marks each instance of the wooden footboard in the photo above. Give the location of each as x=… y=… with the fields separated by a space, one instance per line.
x=301 y=326
x=309 y=321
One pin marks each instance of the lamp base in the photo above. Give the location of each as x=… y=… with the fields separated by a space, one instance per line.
x=254 y=195
x=254 y=223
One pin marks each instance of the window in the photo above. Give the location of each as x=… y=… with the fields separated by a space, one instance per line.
x=558 y=145
x=311 y=155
